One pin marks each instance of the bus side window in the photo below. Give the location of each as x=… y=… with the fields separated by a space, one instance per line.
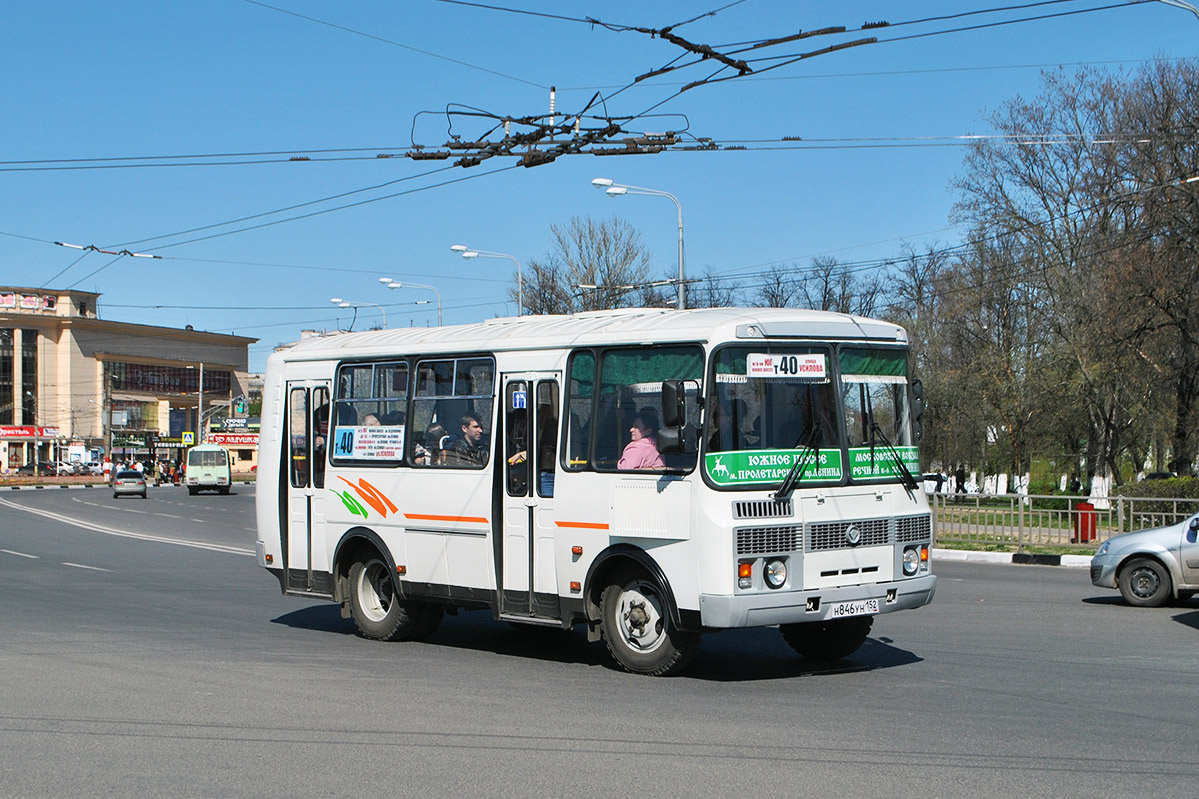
x=580 y=394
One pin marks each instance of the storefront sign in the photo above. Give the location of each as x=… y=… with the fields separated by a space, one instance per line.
x=234 y=439
x=27 y=431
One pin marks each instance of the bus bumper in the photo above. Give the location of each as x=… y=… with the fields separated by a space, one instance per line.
x=761 y=609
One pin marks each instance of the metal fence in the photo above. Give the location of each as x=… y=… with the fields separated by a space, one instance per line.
x=1019 y=521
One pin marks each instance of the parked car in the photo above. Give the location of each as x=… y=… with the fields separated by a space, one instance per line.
x=43 y=470
x=93 y=468
x=1150 y=567
x=64 y=468
x=129 y=481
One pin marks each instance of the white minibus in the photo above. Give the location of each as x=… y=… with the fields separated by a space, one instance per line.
x=650 y=474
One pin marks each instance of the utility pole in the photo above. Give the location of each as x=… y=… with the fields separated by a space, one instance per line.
x=106 y=376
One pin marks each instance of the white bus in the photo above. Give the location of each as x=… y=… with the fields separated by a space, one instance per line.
x=650 y=474
x=207 y=469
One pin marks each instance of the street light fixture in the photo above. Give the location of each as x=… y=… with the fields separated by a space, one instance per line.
x=468 y=254
x=619 y=190
x=396 y=284
x=340 y=303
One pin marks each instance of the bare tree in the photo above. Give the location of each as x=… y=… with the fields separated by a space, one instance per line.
x=608 y=256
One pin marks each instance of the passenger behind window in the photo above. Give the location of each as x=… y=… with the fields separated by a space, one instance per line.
x=432 y=452
x=471 y=448
x=642 y=450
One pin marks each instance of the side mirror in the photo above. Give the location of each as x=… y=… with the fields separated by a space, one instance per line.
x=678 y=439
x=674 y=404
x=917 y=409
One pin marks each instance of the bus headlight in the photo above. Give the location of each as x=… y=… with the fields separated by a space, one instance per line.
x=775 y=573
x=911 y=561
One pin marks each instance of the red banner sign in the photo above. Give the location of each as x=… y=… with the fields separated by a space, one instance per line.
x=233 y=439
x=26 y=431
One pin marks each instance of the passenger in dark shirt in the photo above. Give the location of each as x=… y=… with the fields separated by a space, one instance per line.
x=471 y=448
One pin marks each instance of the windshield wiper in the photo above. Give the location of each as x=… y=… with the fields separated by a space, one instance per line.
x=905 y=476
x=801 y=463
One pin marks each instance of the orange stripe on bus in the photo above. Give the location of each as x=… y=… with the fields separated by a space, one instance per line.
x=584 y=525
x=431 y=517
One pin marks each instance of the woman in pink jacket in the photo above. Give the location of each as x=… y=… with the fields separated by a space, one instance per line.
x=642 y=450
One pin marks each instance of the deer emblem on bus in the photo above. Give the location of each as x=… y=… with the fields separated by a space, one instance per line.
x=720 y=468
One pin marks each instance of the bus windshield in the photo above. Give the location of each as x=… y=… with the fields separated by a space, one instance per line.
x=770 y=406
x=874 y=390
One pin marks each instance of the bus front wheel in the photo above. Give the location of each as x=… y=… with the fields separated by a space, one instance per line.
x=828 y=640
x=378 y=611
x=637 y=629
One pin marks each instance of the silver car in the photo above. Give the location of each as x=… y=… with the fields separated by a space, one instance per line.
x=1151 y=566
x=129 y=481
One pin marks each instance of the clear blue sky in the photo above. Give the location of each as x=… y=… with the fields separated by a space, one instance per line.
x=139 y=79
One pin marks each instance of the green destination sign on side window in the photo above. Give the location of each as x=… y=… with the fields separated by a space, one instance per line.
x=771 y=466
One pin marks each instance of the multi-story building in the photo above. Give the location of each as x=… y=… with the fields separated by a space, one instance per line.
x=72 y=382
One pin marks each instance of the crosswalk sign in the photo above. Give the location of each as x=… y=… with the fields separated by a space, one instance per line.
x=189 y=439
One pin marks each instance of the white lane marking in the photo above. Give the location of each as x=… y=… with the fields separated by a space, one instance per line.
x=131 y=510
x=89 y=568
x=168 y=515
x=126 y=534
x=19 y=554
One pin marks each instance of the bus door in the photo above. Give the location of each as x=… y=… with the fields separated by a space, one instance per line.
x=307 y=426
x=527 y=577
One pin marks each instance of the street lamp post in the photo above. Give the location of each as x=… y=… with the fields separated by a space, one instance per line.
x=200 y=406
x=619 y=190
x=395 y=284
x=468 y=254
x=1182 y=5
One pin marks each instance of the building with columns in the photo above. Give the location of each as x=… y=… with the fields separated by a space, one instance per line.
x=71 y=382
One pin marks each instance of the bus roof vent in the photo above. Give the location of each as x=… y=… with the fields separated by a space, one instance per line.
x=763 y=509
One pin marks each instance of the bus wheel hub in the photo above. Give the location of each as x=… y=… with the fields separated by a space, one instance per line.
x=637 y=617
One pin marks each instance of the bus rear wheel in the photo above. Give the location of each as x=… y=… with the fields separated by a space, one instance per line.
x=635 y=619
x=828 y=640
x=378 y=611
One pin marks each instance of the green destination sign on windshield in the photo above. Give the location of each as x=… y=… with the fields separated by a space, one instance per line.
x=771 y=466
x=865 y=465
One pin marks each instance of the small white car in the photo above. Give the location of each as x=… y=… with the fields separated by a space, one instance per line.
x=1150 y=567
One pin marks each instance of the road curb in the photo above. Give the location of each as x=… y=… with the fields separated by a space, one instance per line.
x=1020 y=558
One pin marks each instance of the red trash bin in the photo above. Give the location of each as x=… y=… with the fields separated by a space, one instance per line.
x=1086 y=522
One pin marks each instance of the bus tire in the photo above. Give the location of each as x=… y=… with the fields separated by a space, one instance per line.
x=635 y=619
x=192 y=490
x=828 y=640
x=378 y=611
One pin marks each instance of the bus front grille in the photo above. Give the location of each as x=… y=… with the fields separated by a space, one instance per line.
x=836 y=535
x=769 y=540
x=913 y=528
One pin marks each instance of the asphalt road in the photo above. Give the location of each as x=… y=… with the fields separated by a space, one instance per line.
x=130 y=664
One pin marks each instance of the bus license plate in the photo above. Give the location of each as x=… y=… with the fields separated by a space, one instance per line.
x=862 y=607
